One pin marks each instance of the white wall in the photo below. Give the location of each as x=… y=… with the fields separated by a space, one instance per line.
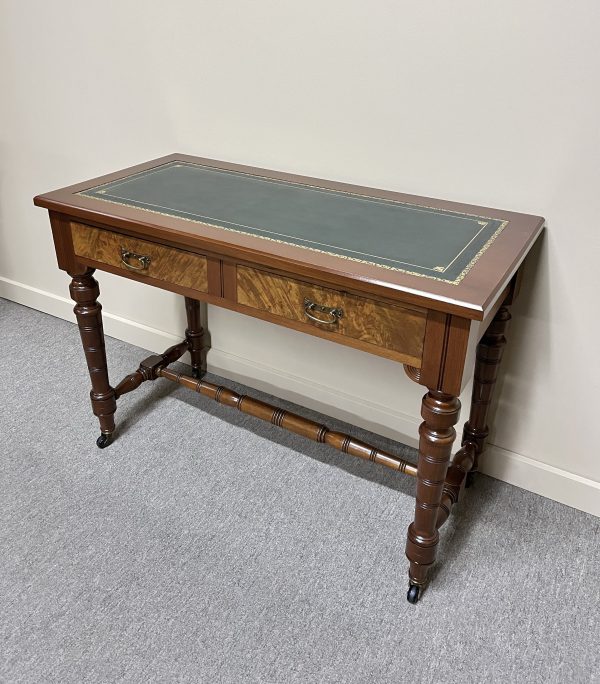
x=487 y=103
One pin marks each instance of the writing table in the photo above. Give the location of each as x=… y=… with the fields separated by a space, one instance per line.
x=424 y=282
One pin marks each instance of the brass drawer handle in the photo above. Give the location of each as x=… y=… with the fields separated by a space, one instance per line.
x=141 y=258
x=333 y=313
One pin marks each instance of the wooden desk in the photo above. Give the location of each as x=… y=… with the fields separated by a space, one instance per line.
x=420 y=281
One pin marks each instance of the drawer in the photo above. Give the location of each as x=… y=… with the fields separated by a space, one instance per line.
x=389 y=330
x=144 y=258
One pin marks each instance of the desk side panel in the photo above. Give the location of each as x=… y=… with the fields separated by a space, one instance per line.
x=63 y=243
x=444 y=353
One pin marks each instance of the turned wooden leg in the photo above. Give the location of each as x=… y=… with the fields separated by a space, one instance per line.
x=194 y=335
x=489 y=355
x=440 y=413
x=84 y=291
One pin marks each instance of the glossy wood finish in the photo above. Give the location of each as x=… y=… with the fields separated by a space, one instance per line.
x=397 y=329
x=489 y=357
x=147 y=369
x=290 y=421
x=440 y=413
x=456 y=478
x=465 y=462
x=471 y=299
x=194 y=335
x=430 y=326
x=172 y=265
x=85 y=291
x=446 y=348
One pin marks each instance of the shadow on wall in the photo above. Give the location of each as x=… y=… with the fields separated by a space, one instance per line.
x=514 y=385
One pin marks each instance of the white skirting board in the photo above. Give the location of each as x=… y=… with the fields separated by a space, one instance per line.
x=554 y=483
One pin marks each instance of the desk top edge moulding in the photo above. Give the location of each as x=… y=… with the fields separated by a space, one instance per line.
x=334 y=231
x=423 y=282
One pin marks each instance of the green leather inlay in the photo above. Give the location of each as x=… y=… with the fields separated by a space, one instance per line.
x=427 y=242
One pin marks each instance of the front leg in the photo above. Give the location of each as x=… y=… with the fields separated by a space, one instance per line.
x=440 y=413
x=84 y=291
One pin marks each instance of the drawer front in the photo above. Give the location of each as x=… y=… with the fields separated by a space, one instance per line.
x=141 y=257
x=396 y=329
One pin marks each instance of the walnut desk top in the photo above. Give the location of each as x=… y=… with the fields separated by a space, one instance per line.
x=420 y=281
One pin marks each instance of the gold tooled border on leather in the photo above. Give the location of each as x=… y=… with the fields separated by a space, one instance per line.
x=460 y=277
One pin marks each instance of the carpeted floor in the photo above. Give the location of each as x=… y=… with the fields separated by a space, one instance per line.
x=206 y=546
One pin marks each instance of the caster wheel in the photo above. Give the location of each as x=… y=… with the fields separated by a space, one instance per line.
x=103 y=441
x=414 y=591
x=471 y=477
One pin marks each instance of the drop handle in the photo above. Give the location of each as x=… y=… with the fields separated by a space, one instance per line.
x=142 y=259
x=333 y=314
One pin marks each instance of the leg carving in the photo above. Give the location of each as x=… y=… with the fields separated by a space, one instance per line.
x=84 y=291
x=489 y=355
x=440 y=413
x=194 y=336
x=149 y=367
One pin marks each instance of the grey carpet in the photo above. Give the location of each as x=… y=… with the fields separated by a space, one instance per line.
x=206 y=546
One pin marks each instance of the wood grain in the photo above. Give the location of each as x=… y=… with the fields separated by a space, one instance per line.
x=444 y=353
x=440 y=413
x=423 y=323
x=172 y=265
x=465 y=462
x=88 y=310
x=489 y=356
x=194 y=336
x=470 y=299
x=63 y=244
x=374 y=323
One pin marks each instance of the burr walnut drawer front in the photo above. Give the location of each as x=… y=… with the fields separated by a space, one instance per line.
x=168 y=264
x=389 y=330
